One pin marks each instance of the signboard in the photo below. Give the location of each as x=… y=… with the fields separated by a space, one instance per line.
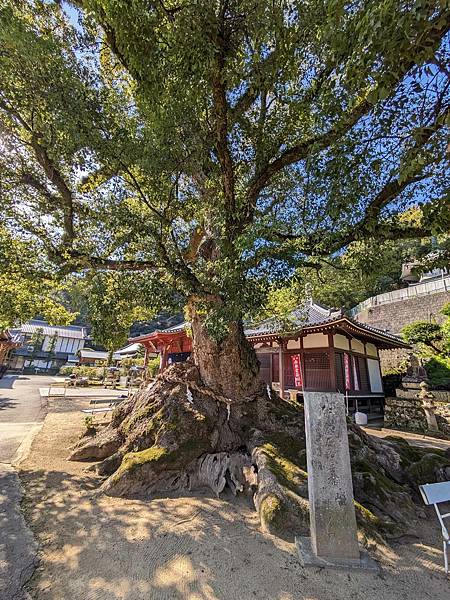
x=296 y=367
x=348 y=381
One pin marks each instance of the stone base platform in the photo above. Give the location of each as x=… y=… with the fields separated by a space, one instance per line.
x=309 y=559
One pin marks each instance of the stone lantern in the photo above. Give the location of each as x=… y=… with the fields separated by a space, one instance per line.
x=427 y=399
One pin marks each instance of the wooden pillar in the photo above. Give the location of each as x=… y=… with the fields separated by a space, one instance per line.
x=146 y=357
x=281 y=349
x=163 y=359
x=332 y=362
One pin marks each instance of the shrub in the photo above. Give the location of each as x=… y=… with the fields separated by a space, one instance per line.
x=438 y=371
x=132 y=362
x=153 y=366
x=93 y=373
x=66 y=371
x=422 y=332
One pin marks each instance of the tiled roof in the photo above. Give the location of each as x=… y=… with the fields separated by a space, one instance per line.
x=314 y=315
x=41 y=354
x=309 y=316
x=97 y=354
x=69 y=331
x=130 y=349
x=174 y=329
x=302 y=316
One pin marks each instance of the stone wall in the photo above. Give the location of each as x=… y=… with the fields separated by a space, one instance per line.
x=393 y=317
x=396 y=315
x=408 y=414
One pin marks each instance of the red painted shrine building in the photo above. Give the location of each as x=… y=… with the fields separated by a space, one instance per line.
x=324 y=350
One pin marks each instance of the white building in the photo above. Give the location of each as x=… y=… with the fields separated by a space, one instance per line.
x=47 y=347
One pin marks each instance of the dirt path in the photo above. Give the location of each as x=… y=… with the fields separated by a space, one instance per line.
x=99 y=548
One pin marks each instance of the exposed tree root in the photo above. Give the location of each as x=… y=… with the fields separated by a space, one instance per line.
x=176 y=435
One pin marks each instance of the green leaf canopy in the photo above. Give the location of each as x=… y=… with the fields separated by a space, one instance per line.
x=217 y=146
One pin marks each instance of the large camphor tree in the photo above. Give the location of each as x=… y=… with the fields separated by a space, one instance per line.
x=207 y=149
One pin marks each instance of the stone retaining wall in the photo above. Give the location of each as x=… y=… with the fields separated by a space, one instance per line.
x=408 y=414
x=396 y=315
x=393 y=317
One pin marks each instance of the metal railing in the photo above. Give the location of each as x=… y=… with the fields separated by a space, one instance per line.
x=421 y=289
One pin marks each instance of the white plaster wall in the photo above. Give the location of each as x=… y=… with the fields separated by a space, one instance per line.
x=357 y=346
x=376 y=385
x=371 y=350
x=340 y=341
x=293 y=344
x=315 y=340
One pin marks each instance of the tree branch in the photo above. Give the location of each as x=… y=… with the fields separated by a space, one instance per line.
x=221 y=123
x=439 y=27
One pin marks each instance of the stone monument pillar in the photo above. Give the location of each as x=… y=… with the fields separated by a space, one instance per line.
x=333 y=540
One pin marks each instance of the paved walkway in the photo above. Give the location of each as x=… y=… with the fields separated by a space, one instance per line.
x=23 y=401
x=18 y=548
x=21 y=415
x=415 y=439
x=20 y=411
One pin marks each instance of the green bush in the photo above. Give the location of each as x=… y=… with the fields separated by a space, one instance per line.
x=153 y=366
x=438 y=371
x=132 y=362
x=92 y=373
x=66 y=371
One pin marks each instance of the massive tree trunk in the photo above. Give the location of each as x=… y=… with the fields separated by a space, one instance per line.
x=229 y=366
x=210 y=423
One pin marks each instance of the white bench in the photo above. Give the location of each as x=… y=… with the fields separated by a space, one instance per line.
x=435 y=494
x=94 y=411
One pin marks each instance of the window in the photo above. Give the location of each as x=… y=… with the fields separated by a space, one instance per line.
x=361 y=365
x=317 y=370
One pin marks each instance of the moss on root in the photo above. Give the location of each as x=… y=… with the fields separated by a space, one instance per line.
x=371 y=525
x=157 y=458
x=424 y=471
x=375 y=482
x=284 y=515
x=132 y=460
x=271 y=513
x=287 y=473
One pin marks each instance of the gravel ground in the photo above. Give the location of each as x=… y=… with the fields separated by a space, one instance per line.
x=93 y=547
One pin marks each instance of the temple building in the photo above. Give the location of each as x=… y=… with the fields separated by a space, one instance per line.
x=45 y=347
x=315 y=349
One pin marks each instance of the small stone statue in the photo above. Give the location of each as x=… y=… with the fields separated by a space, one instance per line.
x=427 y=399
x=415 y=372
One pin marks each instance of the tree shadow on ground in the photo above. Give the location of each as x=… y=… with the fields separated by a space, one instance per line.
x=196 y=548
x=95 y=547
x=17 y=550
x=6 y=403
